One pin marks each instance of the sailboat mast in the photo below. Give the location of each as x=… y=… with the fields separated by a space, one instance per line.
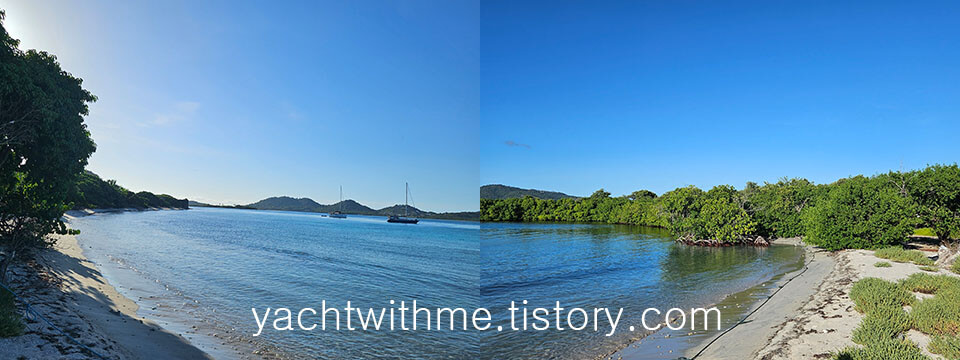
x=341 y=198
x=406 y=196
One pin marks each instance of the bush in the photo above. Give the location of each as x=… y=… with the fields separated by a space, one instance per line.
x=883 y=324
x=777 y=207
x=860 y=212
x=936 y=190
x=884 y=350
x=10 y=322
x=940 y=314
x=901 y=255
x=930 y=268
x=956 y=267
x=870 y=294
x=882 y=264
x=929 y=284
x=946 y=345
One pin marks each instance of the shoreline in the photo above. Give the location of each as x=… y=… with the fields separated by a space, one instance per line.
x=672 y=344
x=755 y=332
x=71 y=291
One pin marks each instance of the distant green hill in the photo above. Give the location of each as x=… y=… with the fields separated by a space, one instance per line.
x=349 y=207
x=92 y=192
x=286 y=203
x=500 y=192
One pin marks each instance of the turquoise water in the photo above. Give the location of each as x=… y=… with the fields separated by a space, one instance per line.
x=208 y=267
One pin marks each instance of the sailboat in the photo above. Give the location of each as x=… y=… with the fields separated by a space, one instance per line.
x=404 y=219
x=339 y=213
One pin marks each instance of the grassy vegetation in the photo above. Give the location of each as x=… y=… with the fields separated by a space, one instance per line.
x=946 y=345
x=872 y=293
x=956 y=267
x=929 y=284
x=930 y=268
x=901 y=255
x=882 y=264
x=881 y=331
x=884 y=323
x=883 y=350
x=940 y=314
x=924 y=232
x=10 y=322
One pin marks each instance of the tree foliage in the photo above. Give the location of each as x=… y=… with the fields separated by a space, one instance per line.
x=44 y=146
x=91 y=192
x=857 y=212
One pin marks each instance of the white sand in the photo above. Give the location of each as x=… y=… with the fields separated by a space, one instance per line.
x=825 y=324
x=71 y=292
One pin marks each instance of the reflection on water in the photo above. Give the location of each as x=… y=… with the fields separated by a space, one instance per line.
x=614 y=266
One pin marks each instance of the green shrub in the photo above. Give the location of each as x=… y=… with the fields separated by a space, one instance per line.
x=936 y=191
x=870 y=294
x=862 y=213
x=884 y=323
x=956 y=266
x=929 y=284
x=940 y=314
x=10 y=322
x=899 y=254
x=882 y=264
x=930 y=268
x=884 y=350
x=946 y=345
x=777 y=207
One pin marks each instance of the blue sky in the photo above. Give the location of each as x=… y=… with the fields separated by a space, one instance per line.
x=235 y=101
x=662 y=94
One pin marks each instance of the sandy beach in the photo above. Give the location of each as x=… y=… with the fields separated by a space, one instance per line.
x=812 y=316
x=70 y=291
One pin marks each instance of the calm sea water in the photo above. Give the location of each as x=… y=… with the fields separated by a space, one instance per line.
x=614 y=266
x=215 y=264
x=210 y=266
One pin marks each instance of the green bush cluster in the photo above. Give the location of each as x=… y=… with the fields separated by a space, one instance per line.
x=882 y=264
x=857 y=212
x=881 y=331
x=92 y=192
x=870 y=294
x=901 y=255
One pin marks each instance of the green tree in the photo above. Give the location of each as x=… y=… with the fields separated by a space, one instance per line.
x=45 y=147
x=936 y=191
x=860 y=212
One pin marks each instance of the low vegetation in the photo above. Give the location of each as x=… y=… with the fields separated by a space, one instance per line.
x=956 y=266
x=881 y=333
x=872 y=293
x=882 y=264
x=857 y=212
x=901 y=255
x=11 y=323
x=930 y=268
x=946 y=345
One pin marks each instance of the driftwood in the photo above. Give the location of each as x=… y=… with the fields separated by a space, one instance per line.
x=743 y=240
